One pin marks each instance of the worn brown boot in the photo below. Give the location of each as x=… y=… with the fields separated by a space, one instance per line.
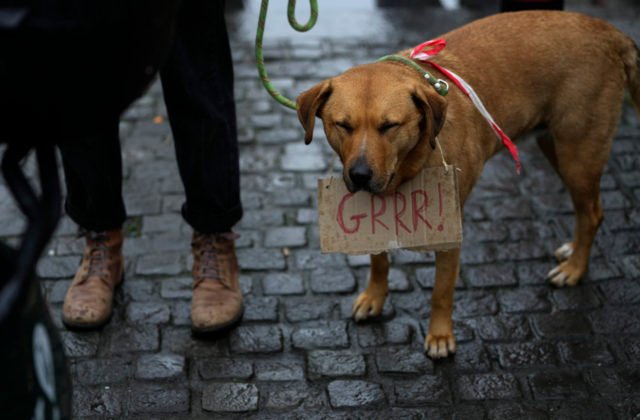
x=217 y=299
x=89 y=300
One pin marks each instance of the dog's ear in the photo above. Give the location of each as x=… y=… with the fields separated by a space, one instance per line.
x=433 y=108
x=309 y=104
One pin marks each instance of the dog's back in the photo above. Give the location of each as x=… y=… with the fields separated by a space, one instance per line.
x=567 y=60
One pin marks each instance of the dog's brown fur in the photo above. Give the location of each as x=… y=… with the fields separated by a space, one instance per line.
x=562 y=71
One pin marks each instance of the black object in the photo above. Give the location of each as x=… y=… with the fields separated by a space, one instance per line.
x=197 y=83
x=517 y=5
x=68 y=68
x=35 y=382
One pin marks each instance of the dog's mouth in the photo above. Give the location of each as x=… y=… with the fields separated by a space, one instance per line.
x=379 y=188
x=391 y=178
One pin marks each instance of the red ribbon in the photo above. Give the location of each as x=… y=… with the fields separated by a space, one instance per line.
x=427 y=50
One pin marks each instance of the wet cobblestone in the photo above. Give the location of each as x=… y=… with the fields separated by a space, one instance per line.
x=230 y=397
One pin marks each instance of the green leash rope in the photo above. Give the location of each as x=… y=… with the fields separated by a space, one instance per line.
x=439 y=85
x=262 y=19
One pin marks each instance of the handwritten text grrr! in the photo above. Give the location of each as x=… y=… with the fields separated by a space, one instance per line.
x=397 y=213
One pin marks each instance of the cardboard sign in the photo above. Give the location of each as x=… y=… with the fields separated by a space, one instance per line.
x=423 y=214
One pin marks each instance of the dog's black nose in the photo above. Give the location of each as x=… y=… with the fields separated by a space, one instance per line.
x=360 y=174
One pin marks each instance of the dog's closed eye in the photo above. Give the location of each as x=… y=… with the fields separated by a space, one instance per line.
x=387 y=125
x=345 y=126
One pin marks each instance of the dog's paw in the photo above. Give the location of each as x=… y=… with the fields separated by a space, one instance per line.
x=439 y=346
x=564 y=252
x=367 y=305
x=565 y=274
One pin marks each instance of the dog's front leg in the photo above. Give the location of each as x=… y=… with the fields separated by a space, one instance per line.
x=370 y=302
x=440 y=341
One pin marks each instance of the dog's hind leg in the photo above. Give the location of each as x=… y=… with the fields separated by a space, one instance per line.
x=546 y=144
x=579 y=153
x=440 y=342
x=574 y=256
x=370 y=302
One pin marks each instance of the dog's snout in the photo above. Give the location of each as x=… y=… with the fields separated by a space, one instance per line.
x=360 y=174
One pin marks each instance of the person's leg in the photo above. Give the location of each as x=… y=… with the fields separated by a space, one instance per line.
x=93 y=176
x=198 y=88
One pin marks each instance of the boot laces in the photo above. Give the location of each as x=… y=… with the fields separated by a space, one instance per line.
x=98 y=254
x=213 y=250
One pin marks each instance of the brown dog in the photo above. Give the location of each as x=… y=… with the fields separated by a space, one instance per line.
x=560 y=71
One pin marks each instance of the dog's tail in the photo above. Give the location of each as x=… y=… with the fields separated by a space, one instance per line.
x=632 y=68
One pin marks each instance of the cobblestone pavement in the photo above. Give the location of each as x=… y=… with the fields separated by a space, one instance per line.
x=526 y=350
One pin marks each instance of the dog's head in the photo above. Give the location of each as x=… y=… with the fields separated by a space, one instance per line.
x=380 y=118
